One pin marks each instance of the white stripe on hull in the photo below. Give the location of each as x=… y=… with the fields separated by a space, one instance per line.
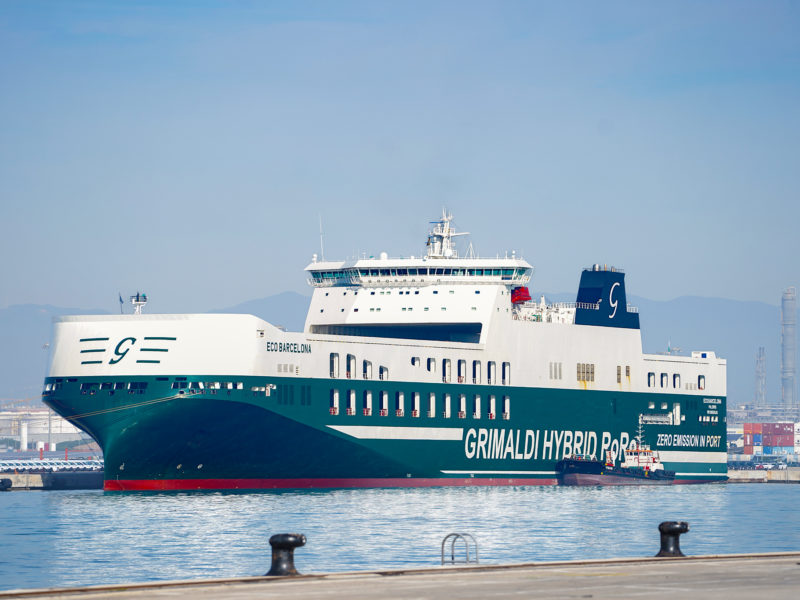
x=552 y=473
x=688 y=456
x=364 y=432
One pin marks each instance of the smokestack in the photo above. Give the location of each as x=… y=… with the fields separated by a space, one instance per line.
x=23 y=436
x=788 y=347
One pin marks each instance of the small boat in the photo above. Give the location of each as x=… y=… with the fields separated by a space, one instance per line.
x=641 y=466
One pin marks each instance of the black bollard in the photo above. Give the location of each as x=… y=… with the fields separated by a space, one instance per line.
x=670 y=537
x=283 y=545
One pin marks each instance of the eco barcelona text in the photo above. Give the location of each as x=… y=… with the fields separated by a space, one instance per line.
x=289 y=347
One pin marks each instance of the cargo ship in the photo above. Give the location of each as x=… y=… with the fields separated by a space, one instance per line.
x=430 y=370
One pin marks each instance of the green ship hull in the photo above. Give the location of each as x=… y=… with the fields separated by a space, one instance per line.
x=157 y=437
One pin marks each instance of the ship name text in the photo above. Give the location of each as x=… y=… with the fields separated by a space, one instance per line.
x=547 y=444
x=289 y=347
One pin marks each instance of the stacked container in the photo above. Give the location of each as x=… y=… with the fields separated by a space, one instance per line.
x=771 y=438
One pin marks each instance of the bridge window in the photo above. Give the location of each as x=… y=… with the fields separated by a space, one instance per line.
x=676 y=380
x=446 y=412
x=351 y=365
x=701 y=382
x=383 y=373
x=384 y=404
x=415 y=404
x=651 y=379
x=432 y=365
x=399 y=404
x=431 y=405
x=476 y=407
x=663 y=380
x=491 y=372
x=462 y=406
x=415 y=362
x=351 y=402
x=367 y=403
x=334 y=405
x=462 y=371
x=367 y=369
x=446 y=370
x=492 y=407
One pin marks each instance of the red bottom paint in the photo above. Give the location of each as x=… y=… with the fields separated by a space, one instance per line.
x=131 y=485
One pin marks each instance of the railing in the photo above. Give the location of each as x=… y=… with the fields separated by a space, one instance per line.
x=415 y=413
x=367 y=412
x=431 y=414
x=333 y=410
x=466 y=538
x=351 y=412
x=506 y=416
x=491 y=416
x=399 y=412
x=384 y=412
x=462 y=414
x=476 y=415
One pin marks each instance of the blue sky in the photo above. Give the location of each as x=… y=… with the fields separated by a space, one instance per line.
x=187 y=149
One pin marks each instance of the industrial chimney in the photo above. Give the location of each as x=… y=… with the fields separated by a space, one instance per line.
x=788 y=347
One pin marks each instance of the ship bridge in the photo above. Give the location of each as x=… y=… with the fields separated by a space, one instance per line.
x=439 y=296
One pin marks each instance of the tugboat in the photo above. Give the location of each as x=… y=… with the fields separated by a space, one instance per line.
x=641 y=466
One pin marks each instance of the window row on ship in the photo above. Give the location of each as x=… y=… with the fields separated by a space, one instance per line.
x=467 y=404
x=462 y=373
x=348 y=275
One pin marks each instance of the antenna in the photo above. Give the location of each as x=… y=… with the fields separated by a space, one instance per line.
x=321 y=245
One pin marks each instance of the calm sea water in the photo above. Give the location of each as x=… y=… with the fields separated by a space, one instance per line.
x=63 y=538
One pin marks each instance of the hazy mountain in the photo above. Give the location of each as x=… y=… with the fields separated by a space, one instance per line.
x=286 y=310
x=732 y=329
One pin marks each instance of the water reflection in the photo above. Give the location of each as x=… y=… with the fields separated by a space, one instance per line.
x=77 y=538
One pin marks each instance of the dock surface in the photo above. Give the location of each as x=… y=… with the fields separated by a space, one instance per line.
x=728 y=577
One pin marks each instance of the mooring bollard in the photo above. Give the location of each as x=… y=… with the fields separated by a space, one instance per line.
x=670 y=537
x=283 y=545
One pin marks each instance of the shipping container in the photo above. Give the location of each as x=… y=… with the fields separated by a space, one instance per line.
x=787 y=449
x=758 y=450
x=748 y=427
x=767 y=450
x=786 y=439
x=748 y=450
x=757 y=428
x=748 y=439
x=758 y=439
x=768 y=428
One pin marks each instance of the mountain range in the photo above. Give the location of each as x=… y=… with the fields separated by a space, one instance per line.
x=731 y=328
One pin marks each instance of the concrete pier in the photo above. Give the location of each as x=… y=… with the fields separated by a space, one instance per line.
x=728 y=577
